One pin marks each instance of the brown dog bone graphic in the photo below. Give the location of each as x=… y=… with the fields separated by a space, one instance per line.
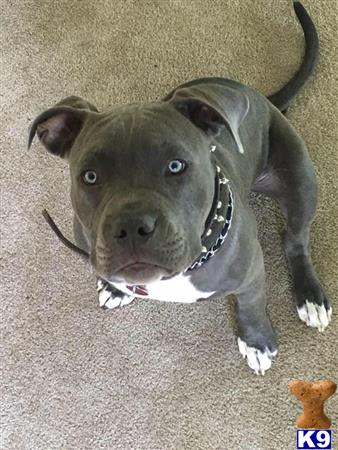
x=313 y=396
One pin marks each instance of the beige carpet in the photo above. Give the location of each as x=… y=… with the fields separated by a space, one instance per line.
x=150 y=376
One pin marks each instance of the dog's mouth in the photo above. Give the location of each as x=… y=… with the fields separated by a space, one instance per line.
x=140 y=272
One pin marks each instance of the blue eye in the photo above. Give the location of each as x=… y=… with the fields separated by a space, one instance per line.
x=176 y=166
x=89 y=177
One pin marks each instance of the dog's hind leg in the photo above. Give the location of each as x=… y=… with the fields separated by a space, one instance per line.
x=290 y=179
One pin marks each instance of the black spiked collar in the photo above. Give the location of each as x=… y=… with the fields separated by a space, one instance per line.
x=218 y=222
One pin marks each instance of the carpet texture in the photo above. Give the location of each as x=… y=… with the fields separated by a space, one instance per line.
x=150 y=376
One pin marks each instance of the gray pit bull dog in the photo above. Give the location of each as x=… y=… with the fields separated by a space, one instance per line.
x=160 y=196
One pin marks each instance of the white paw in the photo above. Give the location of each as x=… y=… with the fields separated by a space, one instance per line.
x=316 y=316
x=257 y=360
x=108 y=299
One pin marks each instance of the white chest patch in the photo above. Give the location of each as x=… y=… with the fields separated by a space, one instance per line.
x=177 y=289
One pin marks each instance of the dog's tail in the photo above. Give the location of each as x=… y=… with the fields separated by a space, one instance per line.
x=283 y=98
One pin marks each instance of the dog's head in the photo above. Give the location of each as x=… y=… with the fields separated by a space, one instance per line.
x=142 y=179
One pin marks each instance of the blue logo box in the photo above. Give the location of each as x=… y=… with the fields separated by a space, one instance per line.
x=314 y=439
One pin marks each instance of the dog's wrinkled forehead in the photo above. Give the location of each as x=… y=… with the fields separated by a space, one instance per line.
x=135 y=122
x=139 y=135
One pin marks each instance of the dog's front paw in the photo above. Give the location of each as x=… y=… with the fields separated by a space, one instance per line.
x=259 y=361
x=110 y=297
x=313 y=306
x=315 y=315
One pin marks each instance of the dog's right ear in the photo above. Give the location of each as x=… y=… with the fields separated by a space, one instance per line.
x=58 y=127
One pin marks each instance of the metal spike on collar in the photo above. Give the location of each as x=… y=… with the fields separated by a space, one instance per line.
x=213 y=148
x=204 y=249
x=209 y=232
x=220 y=219
x=219 y=205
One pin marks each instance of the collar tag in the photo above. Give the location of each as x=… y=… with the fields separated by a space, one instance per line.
x=138 y=289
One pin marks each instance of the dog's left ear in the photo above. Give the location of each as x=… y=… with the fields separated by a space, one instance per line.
x=58 y=127
x=212 y=108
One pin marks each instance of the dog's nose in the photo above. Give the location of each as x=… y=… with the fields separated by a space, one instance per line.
x=137 y=228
